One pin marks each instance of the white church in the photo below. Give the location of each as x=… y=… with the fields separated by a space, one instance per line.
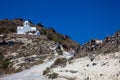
x=26 y=28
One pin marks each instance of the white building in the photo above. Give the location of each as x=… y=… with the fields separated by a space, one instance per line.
x=27 y=28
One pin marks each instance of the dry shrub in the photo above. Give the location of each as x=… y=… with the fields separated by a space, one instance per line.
x=59 y=62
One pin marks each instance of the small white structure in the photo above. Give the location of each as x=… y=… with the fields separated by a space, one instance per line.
x=37 y=33
x=98 y=41
x=26 y=28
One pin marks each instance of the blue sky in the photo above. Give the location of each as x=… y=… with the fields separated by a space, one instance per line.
x=81 y=19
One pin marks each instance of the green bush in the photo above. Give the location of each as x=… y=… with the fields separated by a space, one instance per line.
x=53 y=76
x=12 y=29
x=4 y=63
x=7 y=30
x=50 y=36
x=58 y=40
x=46 y=71
x=43 y=31
x=40 y=24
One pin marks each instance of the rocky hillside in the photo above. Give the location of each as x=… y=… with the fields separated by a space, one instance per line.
x=9 y=26
x=18 y=54
x=95 y=60
x=108 y=45
x=103 y=67
x=57 y=56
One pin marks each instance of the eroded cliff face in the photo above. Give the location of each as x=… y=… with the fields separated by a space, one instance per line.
x=107 y=45
x=95 y=60
x=103 y=67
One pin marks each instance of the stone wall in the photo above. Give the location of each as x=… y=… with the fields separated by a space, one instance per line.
x=26 y=36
